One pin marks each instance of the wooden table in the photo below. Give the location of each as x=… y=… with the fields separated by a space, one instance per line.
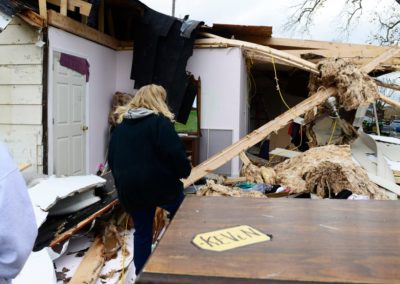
x=339 y=241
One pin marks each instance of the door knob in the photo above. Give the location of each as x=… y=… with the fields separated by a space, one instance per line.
x=85 y=128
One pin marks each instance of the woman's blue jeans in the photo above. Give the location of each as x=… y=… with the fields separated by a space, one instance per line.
x=142 y=237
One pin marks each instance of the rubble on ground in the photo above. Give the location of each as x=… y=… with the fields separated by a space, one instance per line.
x=213 y=189
x=323 y=169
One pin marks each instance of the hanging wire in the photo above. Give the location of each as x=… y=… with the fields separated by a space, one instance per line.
x=333 y=131
x=288 y=107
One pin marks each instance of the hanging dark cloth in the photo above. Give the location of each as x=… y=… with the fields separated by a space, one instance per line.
x=162 y=47
x=78 y=64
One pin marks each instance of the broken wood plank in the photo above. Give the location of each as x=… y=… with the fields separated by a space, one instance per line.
x=67 y=24
x=66 y=235
x=244 y=158
x=385 y=98
x=32 y=18
x=256 y=136
x=387 y=85
x=278 y=54
x=370 y=66
x=375 y=62
x=89 y=269
x=389 y=101
x=84 y=7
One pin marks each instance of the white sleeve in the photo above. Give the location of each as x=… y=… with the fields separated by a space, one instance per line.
x=18 y=228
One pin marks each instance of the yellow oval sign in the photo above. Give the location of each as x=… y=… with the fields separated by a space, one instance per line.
x=229 y=238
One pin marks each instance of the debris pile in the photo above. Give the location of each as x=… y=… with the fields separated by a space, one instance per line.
x=213 y=189
x=326 y=171
x=323 y=171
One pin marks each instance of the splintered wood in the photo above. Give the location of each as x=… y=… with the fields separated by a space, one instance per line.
x=354 y=87
x=90 y=267
x=326 y=170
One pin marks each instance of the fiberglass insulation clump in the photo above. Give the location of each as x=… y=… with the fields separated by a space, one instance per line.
x=323 y=169
x=354 y=87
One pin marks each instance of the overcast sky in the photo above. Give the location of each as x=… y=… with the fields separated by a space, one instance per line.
x=273 y=13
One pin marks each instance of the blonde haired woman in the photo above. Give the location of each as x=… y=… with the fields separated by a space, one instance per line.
x=147 y=160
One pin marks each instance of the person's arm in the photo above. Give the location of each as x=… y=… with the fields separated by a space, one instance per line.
x=171 y=149
x=18 y=228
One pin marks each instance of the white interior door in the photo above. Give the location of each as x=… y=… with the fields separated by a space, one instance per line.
x=69 y=127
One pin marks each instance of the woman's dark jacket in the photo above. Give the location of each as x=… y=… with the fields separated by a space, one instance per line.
x=147 y=159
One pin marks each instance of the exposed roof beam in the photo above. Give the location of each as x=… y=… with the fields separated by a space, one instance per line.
x=264 y=50
x=57 y=20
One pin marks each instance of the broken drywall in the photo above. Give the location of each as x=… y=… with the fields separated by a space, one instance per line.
x=49 y=191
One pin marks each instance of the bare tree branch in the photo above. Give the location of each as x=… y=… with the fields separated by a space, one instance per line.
x=354 y=11
x=302 y=18
x=387 y=21
x=390 y=28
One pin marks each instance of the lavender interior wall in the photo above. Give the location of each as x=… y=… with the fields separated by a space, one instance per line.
x=100 y=88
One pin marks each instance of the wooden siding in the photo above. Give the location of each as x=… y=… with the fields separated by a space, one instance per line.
x=21 y=69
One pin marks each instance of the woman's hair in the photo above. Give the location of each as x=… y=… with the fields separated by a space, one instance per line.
x=152 y=97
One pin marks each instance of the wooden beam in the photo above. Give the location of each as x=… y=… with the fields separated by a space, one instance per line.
x=387 y=85
x=261 y=58
x=67 y=234
x=257 y=135
x=89 y=269
x=244 y=158
x=293 y=44
x=43 y=9
x=63 y=7
x=32 y=18
x=265 y=50
x=125 y=45
x=370 y=66
x=67 y=24
x=389 y=101
x=84 y=7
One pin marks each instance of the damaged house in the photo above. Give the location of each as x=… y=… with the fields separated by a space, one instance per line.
x=62 y=62
x=236 y=80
